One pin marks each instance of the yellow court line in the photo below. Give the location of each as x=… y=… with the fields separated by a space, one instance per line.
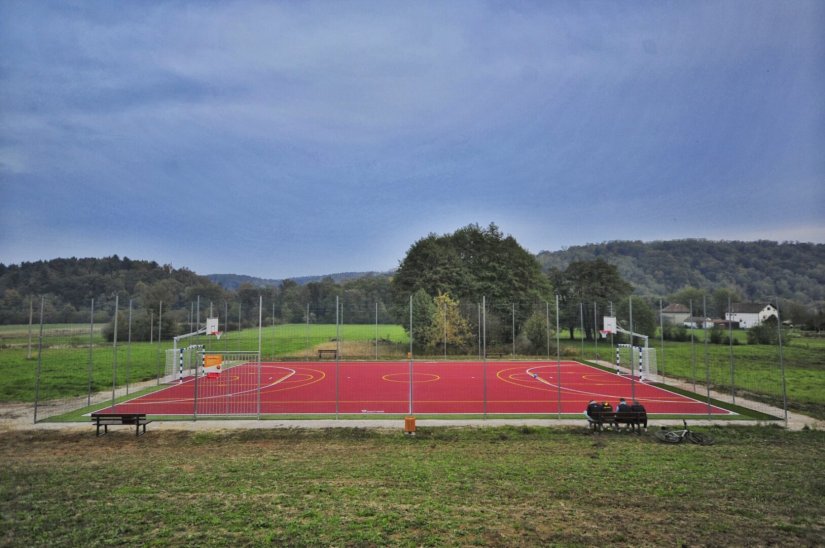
x=406 y=379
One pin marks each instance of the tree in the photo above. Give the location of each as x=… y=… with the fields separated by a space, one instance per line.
x=691 y=296
x=767 y=333
x=534 y=336
x=469 y=264
x=587 y=282
x=423 y=310
x=644 y=320
x=721 y=298
x=447 y=326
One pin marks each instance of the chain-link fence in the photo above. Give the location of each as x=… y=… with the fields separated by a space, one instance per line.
x=115 y=348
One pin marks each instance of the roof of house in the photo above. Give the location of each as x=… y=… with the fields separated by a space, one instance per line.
x=748 y=308
x=676 y=308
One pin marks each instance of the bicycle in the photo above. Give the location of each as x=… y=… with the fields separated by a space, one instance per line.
x=686 y=434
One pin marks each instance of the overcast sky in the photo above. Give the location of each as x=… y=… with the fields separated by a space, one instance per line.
x=280 y=139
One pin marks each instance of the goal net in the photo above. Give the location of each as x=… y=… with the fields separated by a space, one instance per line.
x=640 y=361
x=194 y=360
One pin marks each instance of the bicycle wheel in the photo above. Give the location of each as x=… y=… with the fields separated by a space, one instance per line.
x=700 y=439
x=667 y=436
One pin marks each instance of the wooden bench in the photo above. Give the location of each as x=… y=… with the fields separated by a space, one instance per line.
x=498 y=355
x=331 y=352
x=599 y=417
x=635 y=417
x=120 y=419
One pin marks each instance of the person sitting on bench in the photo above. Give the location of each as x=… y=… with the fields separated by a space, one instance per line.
x=640 y=415
x=594 y=415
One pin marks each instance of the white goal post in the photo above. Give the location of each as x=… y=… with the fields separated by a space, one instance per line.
x=641 y=361
x=195 y=360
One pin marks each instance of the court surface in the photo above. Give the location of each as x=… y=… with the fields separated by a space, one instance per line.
x=383 y=387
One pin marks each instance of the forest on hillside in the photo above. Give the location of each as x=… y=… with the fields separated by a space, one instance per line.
x=759 y=271
x=472 y=263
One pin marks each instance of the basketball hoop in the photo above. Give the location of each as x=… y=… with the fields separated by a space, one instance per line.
x=217 y=334
x=603 y=333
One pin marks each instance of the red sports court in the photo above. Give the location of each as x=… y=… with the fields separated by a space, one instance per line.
x=384 y=387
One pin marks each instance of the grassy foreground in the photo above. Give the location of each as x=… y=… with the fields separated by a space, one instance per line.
x=446 y=486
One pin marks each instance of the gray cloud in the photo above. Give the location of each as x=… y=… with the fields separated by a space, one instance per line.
x=319 y=123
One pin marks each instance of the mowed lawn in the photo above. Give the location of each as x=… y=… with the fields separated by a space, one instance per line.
x=446 y=486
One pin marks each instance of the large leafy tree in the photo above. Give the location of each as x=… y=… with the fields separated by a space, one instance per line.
x=471 y=263
x=644 y=318
x=584 y=283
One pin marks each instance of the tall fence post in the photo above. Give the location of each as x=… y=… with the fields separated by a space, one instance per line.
x=782 y=364
x=114 y=350
x=160 y=341
x=411 y=358
x=513 y=316
x=39 y=361
x=91 y=351
x=662 y=338
x=484 y=347
x=632 y=376
x=707 y=357
x=260 y=338
x=31 y=315
x=337 y=357
x=730 y=347
x=376 y=330
x=129 y=348
x=595 y=328
x=692 y=323
x=558 y=360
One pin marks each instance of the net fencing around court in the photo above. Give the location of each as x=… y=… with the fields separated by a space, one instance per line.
x=227 y=383
x=123 y=346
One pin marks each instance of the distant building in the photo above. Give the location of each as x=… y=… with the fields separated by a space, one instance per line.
x=696 y=322
x=751 y=314
x=726 y=324
x=675 y=314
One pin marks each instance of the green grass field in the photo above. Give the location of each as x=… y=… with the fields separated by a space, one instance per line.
x=444 y=487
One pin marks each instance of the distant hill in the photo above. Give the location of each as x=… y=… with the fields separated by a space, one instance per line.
x=761 y=270
x=72 y=283
x=232 y=282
